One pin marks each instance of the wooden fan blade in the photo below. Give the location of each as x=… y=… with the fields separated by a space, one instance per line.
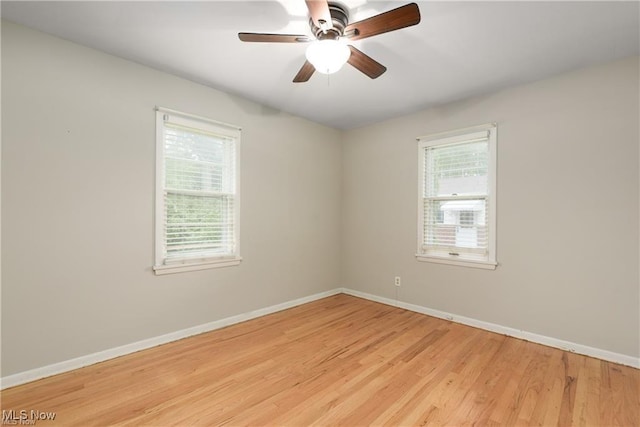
x=305 y=73
x=402 y=17
x=320 y=14
x=273 y=38
x=365 y=63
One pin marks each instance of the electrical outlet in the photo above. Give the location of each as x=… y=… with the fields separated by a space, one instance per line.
x=397 y=281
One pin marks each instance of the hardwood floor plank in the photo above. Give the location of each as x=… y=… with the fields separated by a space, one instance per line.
x=413 y=400
x=482 y=398
x=630 y=408
x=340 y=361
x=547 y=411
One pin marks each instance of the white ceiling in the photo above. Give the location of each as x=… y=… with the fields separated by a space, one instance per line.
x=459 y=49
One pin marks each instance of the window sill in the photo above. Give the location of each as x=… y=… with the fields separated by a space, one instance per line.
x=486 y=265
x=194 y=266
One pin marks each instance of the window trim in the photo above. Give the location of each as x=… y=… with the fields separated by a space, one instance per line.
x=176 y=266
x=450 y=137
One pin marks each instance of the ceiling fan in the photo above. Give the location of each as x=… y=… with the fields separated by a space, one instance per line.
x=329 y=22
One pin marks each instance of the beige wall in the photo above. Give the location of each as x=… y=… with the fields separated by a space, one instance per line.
x=568 y=189
x=77 y=205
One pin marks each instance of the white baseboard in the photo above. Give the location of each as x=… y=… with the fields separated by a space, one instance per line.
x=101 y=356
x=610 y=356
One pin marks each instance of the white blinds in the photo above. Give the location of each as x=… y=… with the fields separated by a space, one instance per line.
x=199 y=191
x=455 y=194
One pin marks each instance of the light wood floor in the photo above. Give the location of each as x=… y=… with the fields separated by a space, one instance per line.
x=341 y=361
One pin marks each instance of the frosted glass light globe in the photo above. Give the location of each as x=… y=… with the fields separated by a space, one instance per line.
x=328 y=56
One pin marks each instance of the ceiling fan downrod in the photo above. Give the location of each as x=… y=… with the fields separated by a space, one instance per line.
x=335 y=29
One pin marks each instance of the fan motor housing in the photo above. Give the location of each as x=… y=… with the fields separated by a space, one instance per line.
x=339 y=20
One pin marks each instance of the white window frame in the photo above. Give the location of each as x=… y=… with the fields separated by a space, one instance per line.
x=161 y=266
x=452 y=137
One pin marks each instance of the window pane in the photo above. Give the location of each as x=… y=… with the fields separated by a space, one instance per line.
x=196 y=160
x=198 y=225
x=459 y=169
x=460 y=223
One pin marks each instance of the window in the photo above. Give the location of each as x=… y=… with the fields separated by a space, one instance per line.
x=457 y=205
x=467 y=218
x=197 y=199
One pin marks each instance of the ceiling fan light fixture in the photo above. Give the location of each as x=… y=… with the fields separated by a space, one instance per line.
x=328 y=56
